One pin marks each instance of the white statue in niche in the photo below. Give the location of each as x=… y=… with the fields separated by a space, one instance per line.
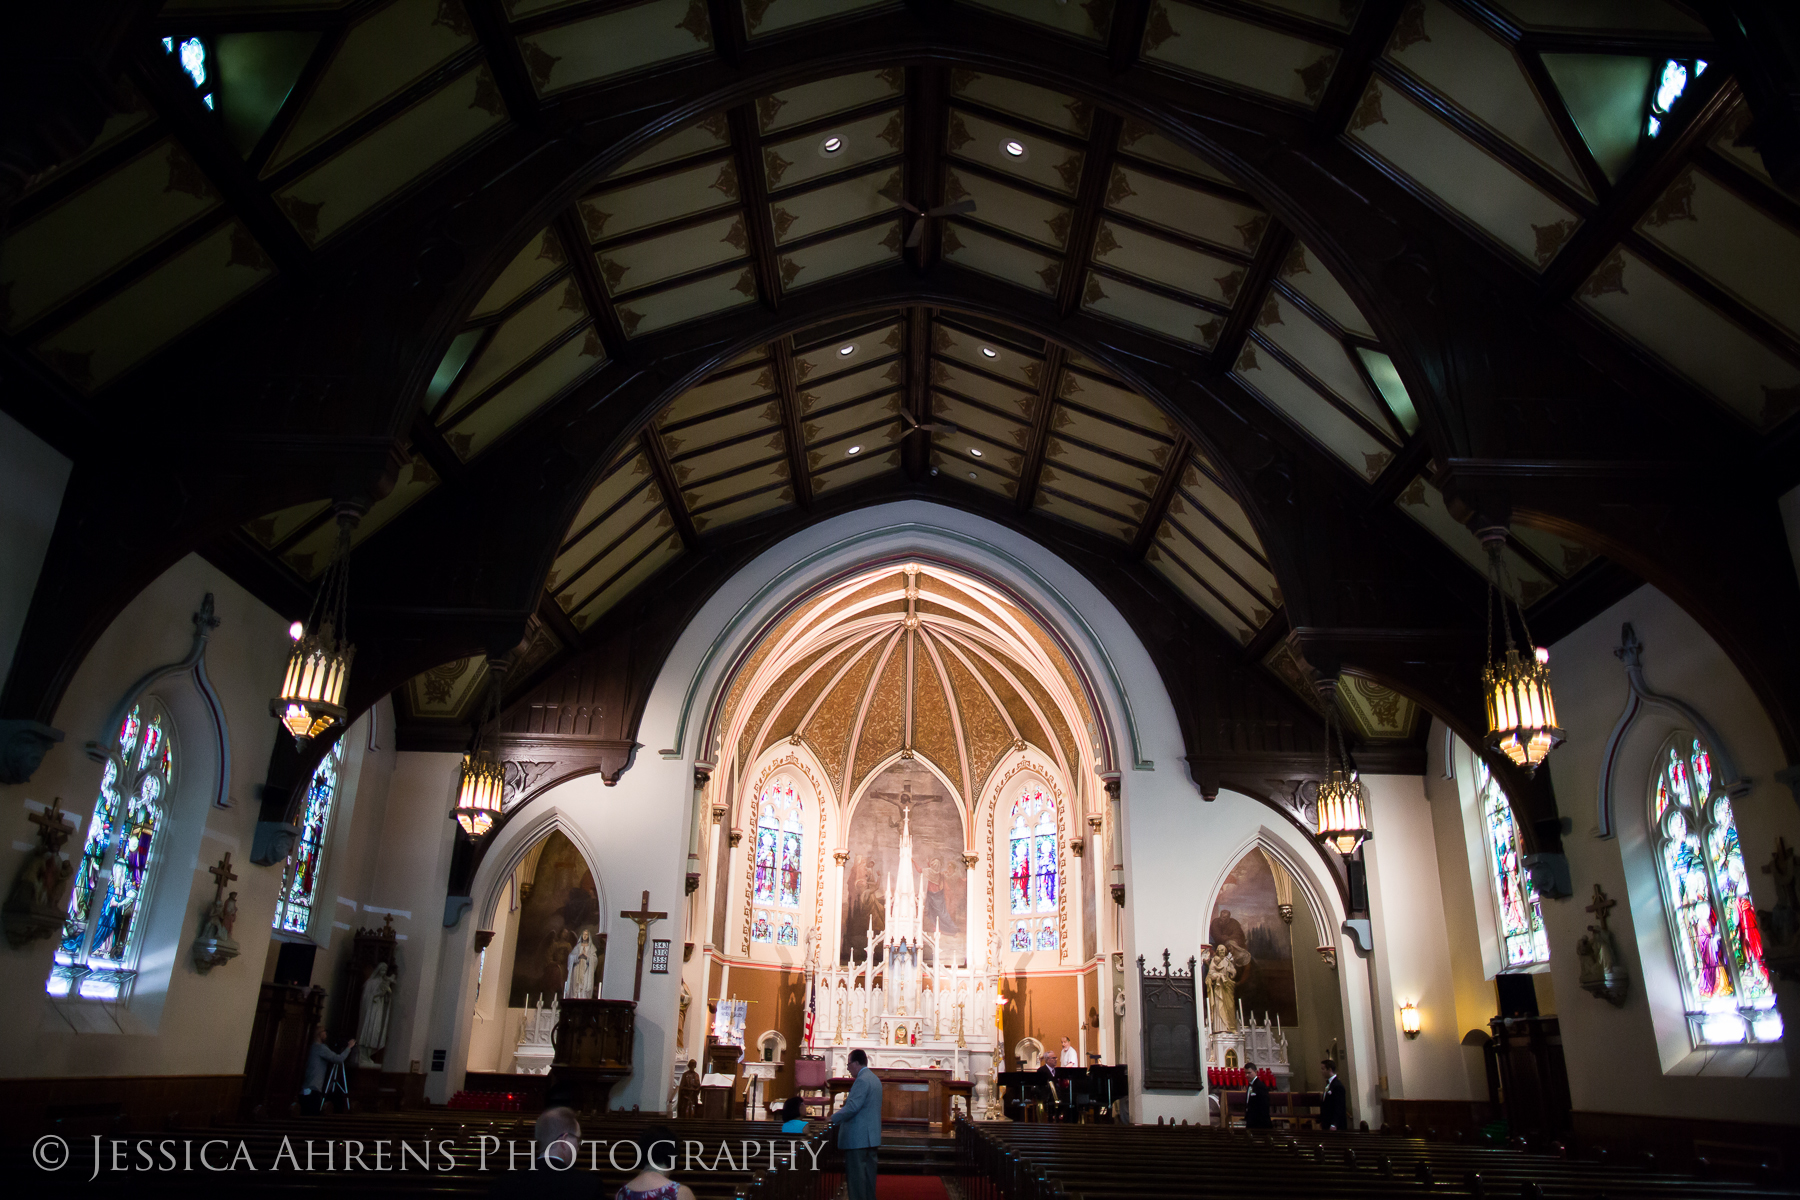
x=377 y=1006
x=583 y=962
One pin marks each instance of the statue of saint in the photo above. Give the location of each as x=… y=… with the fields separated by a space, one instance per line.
x=582 y=969
x=687 y=999
x=688 y=1104
x=1221 y=990
x=377 y=1006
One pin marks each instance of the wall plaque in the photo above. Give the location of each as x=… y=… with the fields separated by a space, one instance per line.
x=1170 y=1019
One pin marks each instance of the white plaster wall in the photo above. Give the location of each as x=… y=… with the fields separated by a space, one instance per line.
x=1177 y=848
x=34 y=476
x=416 y=839
x=179 y=1021
x=1413 y=960
x=1623 y=1060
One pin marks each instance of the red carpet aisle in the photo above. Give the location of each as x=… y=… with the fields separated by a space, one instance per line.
x=910 y=1187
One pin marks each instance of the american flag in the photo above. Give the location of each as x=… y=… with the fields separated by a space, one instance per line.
x=812 y=1011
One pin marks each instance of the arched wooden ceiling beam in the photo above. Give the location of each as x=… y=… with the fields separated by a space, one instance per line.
x=1522 y=411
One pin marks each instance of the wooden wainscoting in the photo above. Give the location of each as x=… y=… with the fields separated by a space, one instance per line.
x=103 y=1104
x=1736 y=1147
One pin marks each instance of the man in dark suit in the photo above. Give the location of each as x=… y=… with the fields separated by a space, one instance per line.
x=1334 y=1111
x=1256 y=1101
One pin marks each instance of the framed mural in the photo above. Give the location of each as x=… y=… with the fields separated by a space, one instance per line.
x=1247 y=917
x=874 y=848
x=556 y=907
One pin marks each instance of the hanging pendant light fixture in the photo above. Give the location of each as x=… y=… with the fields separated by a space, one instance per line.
x=318 y=669
x=1343 y=810
x=1521 y=711
x=481 y=781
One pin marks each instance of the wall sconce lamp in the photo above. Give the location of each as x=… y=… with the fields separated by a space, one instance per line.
x=1409 y=1019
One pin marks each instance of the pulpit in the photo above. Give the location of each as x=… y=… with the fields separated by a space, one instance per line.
x=593 y=1041
x=910 y=1096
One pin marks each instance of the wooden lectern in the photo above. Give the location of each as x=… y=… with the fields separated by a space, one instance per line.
x=593 y=1040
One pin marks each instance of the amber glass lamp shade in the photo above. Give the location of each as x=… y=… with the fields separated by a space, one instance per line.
x=478 y=794
x=1521 y=710
x=1343 y=813
x=312 y=691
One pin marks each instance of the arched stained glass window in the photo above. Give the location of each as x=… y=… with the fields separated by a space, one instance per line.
x=294 y=909
x=1032 y=863
x=1712 y=921
x=775 y=892
x=97 y=957
x=1521 y=914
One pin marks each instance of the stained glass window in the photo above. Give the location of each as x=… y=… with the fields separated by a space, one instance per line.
x=1032 y=863
x=776 y=874
x=191 y=53
x=1521 y=914
x=97 y=956
x=1668 y=86
x=1718 y=947
x=294 y=908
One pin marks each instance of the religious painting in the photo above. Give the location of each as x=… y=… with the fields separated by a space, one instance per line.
x=1247 y=918
x=557 y=906
x=937 y=848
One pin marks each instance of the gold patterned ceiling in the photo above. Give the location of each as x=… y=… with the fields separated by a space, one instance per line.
x=909 y=659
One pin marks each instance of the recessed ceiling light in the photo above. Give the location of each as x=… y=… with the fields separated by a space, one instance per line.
x=831 y=145
x=854 y=450
x=846 y=350
x=1015 y=149
x=989 y=352
x=975 y=452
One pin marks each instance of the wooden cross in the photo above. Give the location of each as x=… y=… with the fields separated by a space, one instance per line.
x=52 y=828
x=643 y=916
x=222 y=875
x=1601 y=905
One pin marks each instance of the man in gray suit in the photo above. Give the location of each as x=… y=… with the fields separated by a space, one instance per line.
x=860 y=1135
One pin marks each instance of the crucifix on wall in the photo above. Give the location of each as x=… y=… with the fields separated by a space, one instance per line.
x=643 y=916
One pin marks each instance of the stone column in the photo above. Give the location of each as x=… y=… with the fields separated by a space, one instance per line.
x=970 y=923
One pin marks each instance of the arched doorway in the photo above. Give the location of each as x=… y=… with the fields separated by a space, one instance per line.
x=1272 y=989
x=542 y=911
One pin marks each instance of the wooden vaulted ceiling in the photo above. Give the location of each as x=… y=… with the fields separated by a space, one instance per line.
x=1516 y=123
x=908 y=659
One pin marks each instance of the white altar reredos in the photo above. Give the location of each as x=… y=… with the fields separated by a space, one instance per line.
x=901 y=1004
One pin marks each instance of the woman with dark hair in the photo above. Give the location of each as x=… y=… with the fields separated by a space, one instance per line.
x=793 y=1115
x=657 y=1149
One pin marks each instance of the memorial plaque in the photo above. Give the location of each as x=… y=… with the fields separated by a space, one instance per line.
x=1170 y=1019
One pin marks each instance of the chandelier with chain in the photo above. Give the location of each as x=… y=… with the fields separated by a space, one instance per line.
x=1343 y=802
x=318 y=668
x=1521 y=711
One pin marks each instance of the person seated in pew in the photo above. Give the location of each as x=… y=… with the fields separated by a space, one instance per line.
x=1333 y=1110
x=554 y=1172
x=657 y=1149
x=1256 y=1101
x=793 y=1115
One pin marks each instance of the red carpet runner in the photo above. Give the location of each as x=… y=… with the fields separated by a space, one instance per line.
x=910 y=1187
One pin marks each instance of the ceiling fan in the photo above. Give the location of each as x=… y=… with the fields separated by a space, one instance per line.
x=914 y=425
x=925 y=214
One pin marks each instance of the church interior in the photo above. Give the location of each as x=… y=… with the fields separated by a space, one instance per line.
x=1125 y=560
